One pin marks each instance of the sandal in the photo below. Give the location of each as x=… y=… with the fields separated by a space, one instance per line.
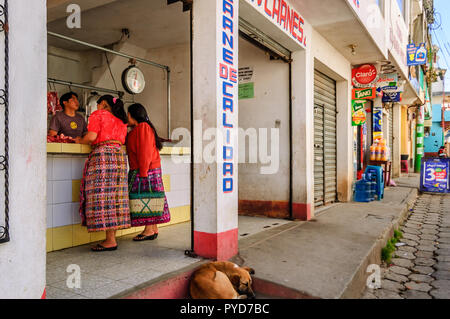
x=142 y=237
x=100 y=248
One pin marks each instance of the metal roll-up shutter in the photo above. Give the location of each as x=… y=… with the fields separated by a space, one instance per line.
x=391 y=129
x=325 y=146
x=252 y=34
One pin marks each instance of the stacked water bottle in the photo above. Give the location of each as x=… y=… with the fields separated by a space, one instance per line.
x=365 y=189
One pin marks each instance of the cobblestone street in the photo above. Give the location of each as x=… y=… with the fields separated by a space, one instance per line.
x=420 y=266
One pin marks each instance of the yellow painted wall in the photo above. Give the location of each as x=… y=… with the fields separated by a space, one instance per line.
x=76 y=235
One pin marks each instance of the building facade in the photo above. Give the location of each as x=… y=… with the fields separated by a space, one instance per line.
x=256 y=96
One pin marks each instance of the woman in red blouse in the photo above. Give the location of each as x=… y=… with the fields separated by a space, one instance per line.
x=104 y=189
x=143 y=146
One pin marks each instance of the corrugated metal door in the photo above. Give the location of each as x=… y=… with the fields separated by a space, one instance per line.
x=391 y=129
x=325 y=148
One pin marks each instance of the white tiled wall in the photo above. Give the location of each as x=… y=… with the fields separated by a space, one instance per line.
x=62 y=191
x=63 y=169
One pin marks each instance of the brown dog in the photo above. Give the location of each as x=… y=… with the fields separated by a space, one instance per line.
x=222 y=280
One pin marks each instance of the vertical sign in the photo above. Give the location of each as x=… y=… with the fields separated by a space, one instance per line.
x=377 y=123
x=227 y=94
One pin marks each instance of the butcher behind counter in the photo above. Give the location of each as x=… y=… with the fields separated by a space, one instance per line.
x=67 y=124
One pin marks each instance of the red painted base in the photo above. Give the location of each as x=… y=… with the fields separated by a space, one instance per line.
x=219 y=247
x=274 y=290
x=301 y=211
x=44 y=295
x=176 y=287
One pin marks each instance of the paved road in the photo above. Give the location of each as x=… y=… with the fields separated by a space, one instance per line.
x=420 y=269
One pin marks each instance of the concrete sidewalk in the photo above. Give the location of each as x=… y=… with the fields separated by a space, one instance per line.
x=325 y=258
x=328 y=256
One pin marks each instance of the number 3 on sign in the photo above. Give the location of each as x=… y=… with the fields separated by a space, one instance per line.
x=429 y=176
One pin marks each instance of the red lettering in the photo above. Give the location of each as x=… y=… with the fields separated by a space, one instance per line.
x=283 y=13
x=259 y=2
x=223 y=71
x=290 y=18
x=300 y=29
x=233 y=75
x=295 y=24
x=276 y=10
x=267 y=9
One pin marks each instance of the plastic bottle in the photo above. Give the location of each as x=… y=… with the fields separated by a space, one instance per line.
x=421 y=54
x=378 y=152
x=373 y=156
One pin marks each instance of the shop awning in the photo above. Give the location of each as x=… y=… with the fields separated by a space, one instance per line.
x=344 y=24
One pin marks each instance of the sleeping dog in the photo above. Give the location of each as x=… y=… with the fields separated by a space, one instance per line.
x=222 y=280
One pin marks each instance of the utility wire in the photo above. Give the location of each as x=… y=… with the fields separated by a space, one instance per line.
x=443 y=52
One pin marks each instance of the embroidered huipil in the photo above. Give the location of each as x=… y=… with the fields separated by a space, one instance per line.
x=141 y=148
x=107 y=126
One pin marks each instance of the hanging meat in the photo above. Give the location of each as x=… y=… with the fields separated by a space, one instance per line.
x=53 y=105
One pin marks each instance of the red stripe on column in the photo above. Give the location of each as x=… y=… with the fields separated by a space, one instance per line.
x=44 y=295
x=221 y=246
x=301 y=211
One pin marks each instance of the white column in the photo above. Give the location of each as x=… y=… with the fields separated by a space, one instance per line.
x=344 y=141
x=22 y=260
x=303 y=134
x=215 y=94
x=397 y=145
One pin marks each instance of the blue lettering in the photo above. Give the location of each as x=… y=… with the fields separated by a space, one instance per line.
x=227 y=185
x=228 y=169
x=228 y=7
x=228 y=39
x=228 y=56
x=227 y=24
x=224 y=122
x=227 y=153
x=228 y=104
x=225 y=86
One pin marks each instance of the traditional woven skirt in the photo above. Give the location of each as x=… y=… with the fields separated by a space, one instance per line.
x=156 y=184
x=104 y=203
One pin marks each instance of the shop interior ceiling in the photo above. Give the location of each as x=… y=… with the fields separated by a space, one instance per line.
x=152 y=24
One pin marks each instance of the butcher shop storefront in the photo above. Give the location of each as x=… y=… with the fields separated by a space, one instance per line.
x=180 y=60
x=129 y=59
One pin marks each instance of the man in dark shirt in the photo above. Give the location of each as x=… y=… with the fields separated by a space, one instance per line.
x=68 y=122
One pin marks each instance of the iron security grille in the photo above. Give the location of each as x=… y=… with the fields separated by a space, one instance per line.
x=4 y=103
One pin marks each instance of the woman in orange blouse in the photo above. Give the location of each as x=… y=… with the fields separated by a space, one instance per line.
x=104 y=189
x=143 y=146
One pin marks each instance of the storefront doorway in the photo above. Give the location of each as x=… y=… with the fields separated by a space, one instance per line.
x=325 y=144
x=264 y=121
x=161 y=51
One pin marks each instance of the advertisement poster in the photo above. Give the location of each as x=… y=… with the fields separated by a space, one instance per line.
x=377 y=123
x=434 y=175
x=358 y=113
x=416 y=55
x=365 y=76
x=391 y=97
x=364 y=94
x=387 y=80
